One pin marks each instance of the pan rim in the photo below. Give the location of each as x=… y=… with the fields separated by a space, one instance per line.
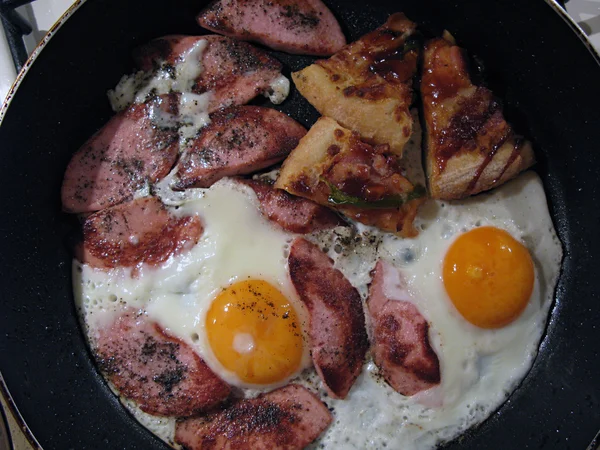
x=558 y=9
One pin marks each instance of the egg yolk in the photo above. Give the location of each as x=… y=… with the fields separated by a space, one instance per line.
x=488 y=276
x=254 y=332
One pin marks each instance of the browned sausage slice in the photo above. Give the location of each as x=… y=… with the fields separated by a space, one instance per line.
x=162 y=374
x=127 y=152
x=293 y=214
x=337 y=322
x=305 y=27
x=288 y=418
x=400 y=346
x=239 y=140
x=235 y=71
x=140 y=231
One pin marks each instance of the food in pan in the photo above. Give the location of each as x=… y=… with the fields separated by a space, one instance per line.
x=238 y=140
x=333 y=167
x=303 y=27
x=367 y=85
x=233 y=72
x=224 y=310
x=128 y=152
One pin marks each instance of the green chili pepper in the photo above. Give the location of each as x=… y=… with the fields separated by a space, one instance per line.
x=339 y=197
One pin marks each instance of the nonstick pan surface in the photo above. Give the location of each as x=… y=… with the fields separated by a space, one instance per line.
x=534 y=60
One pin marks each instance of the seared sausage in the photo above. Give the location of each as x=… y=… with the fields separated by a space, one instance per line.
x=235 y=71
x=305 y=27
x=288 y=418
x=129 y=151
x=400 y=346
x=337 y=322
x=239 y=140
x=162 y=374
x=140 y=231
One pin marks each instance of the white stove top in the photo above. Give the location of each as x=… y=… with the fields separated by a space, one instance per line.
x=42 y=15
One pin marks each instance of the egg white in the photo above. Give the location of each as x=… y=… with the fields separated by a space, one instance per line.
x=238 y=243
x=479 y=368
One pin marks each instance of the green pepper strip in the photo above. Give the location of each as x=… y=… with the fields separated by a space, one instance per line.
x=339 y=197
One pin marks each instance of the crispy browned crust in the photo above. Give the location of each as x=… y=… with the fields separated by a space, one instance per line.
x=470 y=146
x=366 y=86
x=330 y=154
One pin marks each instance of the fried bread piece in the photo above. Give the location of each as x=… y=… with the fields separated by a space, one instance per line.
x=367 y=86
x=333 y=167
x=470 y=146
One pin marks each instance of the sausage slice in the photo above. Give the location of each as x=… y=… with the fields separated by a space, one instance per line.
x=305 y=27
x=235 y=71
x=400 y=346
x=337 y=322
x=140 y=231
x=293 y=214
x=125 y=154
x=162 y=374
x=239 y=140
x=288 y=418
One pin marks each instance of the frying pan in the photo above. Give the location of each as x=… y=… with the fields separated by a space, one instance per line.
x=534 y=60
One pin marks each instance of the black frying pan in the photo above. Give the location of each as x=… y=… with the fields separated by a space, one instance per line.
x=534 y=60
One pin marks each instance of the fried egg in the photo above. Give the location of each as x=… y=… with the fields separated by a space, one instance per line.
x=211 y=298
x=479 y=366
x=230 y=297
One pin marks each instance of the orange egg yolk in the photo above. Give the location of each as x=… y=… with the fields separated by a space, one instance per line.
x=488 y=276
x=254 y=332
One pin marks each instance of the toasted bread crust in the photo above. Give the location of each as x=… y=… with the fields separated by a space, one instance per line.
x=470 y=146
x=332 y=157
x=367 y=86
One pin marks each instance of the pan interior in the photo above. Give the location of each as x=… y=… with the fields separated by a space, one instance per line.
x=548 y=81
